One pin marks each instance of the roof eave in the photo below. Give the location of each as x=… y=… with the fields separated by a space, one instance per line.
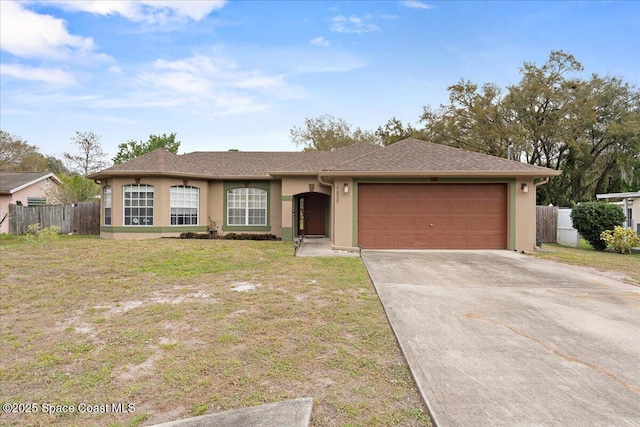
x=466 y=174
x=102 y=175
x=618 y=195
x=288 y=173
x=245 y=177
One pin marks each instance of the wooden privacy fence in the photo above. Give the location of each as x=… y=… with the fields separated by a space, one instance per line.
x=547 y=224
x=78 y=218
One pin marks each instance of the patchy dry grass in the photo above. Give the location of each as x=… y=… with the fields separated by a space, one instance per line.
x=625 y=266
x=180 y=328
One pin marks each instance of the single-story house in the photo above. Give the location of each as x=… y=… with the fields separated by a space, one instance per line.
x=412 y=194
x=24 y=188
x=630 y=203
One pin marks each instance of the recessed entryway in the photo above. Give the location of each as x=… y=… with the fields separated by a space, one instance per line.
x=312 y=213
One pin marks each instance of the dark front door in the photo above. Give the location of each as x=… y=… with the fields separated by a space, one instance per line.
x=312 y=211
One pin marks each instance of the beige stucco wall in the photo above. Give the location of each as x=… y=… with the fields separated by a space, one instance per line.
x=292 y=186
x=211 y=211
x=215 y=204
x=525 y=215
x=343 y=213
x=161 y=206
x=275 y=208
x=300 y=184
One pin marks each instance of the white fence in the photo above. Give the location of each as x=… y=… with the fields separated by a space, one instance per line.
x=567 y=235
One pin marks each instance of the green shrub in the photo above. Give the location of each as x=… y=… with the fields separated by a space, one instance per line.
x=229 y=236
x=592 y=218
x=44 y=236
x=192 y=235
x=248 y=236
x=621 y=239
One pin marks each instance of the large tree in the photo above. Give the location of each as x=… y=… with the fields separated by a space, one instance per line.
x=16 y=155
x=132 y=149
x=91 y=158
x=475 y=119
x=326 y=133
x=588 y=128
x=394 y=130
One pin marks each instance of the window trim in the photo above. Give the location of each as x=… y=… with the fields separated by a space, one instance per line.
x=262 y=185
x=109 y=189
x=183 y=207
x=124 y=207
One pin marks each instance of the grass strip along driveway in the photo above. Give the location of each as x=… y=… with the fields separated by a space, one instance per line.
x=140 y=332
x=625 y=267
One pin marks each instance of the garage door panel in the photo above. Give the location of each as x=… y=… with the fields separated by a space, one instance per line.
x=402 y=224
x=367 y=224
x=423 y=216
x=494 y=224
x=421 y=224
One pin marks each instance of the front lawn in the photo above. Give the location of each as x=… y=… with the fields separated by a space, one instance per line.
x=179 y=328
x=620 y=266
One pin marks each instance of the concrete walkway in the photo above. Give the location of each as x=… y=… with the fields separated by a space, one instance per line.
x=290 y=413
x=495 y=338
x=321 y=247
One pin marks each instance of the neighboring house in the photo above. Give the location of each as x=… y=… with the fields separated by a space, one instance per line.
x=412 y=194
x=630 y=203
x=23 y=188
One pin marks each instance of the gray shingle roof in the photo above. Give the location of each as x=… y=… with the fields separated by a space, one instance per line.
x=315 y=161
x=11 y=180
x=415 y=156
x=243 y=163
x=156 y=161
x=409 y=157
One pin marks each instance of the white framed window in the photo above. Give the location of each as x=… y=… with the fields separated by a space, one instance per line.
x=246 y=206
x=138 y=204
x=106 y=200
x=184 y=202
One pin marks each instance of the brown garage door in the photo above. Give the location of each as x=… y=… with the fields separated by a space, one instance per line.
x=432 y=216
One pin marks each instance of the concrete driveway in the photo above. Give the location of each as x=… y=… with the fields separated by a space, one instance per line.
x=495 y=338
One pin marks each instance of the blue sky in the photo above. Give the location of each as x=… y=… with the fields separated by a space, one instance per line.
x=240 y=74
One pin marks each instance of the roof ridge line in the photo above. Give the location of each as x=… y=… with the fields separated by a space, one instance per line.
x=380 y=147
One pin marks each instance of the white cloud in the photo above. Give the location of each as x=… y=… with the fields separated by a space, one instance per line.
x=353 y=24
x=212 y=86
x=320 y=41
x=27 y=34
x=115 y=70
x=203 y=75
x=48 y=75
x=148 y=11
x=415 y=4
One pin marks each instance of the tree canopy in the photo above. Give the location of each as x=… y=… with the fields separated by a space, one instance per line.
x=326 y=133
x=16 y=155
x=132 y=149
x=588 y=128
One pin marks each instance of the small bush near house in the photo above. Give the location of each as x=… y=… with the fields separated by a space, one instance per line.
x=44 y=235
x=247 y=236
x=192 y=235
x=593 y=218
x=229 y=236
x=621 y=239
